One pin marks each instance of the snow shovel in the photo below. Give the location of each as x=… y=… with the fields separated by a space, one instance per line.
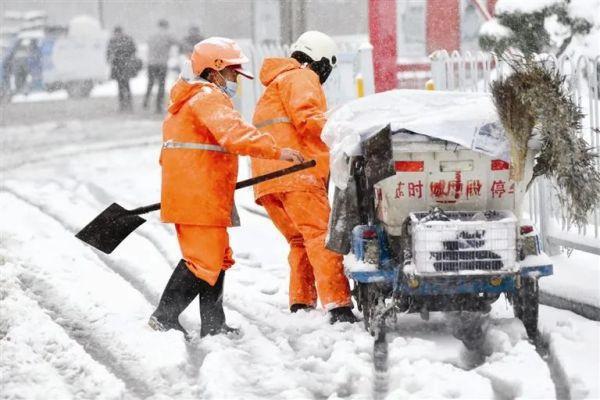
x=115 y=223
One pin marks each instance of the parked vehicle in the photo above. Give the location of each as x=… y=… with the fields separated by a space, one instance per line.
x=53 y=58
x=428 y=211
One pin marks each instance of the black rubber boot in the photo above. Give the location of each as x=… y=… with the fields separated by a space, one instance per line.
x=180 y=291
x=212 y=316
x=294 y=308
x=341 y=314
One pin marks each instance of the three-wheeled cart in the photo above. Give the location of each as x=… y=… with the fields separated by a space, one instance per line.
x=426 y=195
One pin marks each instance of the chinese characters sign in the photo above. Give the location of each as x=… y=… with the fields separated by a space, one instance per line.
x=450 y=191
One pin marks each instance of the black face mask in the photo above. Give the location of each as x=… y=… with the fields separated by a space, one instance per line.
x=322 y=68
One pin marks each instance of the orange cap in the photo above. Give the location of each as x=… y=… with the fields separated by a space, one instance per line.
x=218 y=53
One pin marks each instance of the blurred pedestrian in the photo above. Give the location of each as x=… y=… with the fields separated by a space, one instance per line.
x=121 y=57
x=189 y=41
x=20 y=65
x=35 y=66
x=159 y=46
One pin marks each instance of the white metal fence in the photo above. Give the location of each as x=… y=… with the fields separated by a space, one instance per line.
x=474 y=72
x=352 y=77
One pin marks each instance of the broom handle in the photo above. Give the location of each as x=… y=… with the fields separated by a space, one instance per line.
x=239 y=185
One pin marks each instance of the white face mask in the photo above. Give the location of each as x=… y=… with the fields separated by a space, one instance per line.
x=230 y=88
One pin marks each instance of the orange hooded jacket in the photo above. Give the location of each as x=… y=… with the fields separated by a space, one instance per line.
x=198 y=185
x=293 y=94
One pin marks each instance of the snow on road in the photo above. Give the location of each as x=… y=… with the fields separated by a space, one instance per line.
x=73 y=320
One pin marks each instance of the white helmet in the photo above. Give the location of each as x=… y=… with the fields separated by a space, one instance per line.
x=320 y=51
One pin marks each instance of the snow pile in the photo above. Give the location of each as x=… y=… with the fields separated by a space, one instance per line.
x=529 y=6
x=558 y=32
x=351 y=264
x=513 y=366
x=494 y=29
x=569 y=273
x=588 y=45
x=586 y=9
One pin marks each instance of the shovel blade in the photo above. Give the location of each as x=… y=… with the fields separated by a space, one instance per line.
x=109 y=228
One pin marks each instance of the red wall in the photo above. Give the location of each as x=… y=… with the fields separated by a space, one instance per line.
x=382 y=33
x=443 y=25
x=443 y=32
x=491 y=5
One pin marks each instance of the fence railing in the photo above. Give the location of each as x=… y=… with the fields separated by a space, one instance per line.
x=351 y=78
x=475 y=72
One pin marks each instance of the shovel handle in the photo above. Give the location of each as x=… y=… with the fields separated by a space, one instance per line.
x=240 y=184
x=144 y=209
x=275 y=174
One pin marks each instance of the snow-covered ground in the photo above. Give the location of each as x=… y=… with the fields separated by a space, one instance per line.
x=576 y=277
x=73 y=320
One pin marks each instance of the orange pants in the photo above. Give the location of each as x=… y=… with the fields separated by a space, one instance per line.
x=302 y=218
x=205 y=249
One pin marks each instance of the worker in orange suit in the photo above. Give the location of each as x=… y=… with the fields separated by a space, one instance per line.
x=202 y=136
x=292 y=110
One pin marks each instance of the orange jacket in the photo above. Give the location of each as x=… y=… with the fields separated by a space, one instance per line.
x=292 y=93
x=198 y=185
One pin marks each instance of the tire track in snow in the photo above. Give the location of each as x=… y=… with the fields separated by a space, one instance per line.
x=559 y=378
x=77 y=333
x=76 y=330
x=129 y=277
x=195 y=354
x=95 y=345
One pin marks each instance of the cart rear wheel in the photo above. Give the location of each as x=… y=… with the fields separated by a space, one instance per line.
x=526 y=305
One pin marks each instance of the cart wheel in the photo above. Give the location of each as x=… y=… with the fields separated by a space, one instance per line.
x=526 y=306
x=517 y=307
x=369 y=295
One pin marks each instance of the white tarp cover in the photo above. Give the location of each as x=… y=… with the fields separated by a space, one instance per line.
x=468 y=119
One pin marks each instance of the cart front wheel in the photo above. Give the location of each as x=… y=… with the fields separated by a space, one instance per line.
x=369 y=295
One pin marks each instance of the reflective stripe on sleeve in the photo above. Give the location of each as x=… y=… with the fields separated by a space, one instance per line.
x=273 y=121
x=170 y=144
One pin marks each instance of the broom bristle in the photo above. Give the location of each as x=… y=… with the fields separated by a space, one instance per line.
x=516 y=118
x=535 y=96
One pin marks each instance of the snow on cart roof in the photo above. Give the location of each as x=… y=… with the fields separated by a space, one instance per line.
x=467 y=119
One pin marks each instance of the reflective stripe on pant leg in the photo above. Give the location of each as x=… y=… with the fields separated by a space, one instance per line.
x=302 y=281
x=205 y=250
x=309 y=212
